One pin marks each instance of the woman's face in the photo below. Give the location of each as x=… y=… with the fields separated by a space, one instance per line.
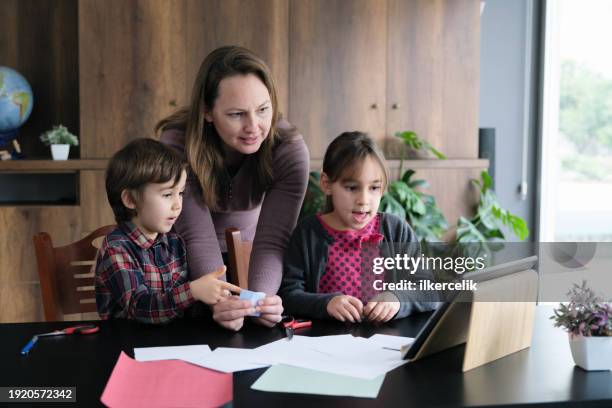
x=242 y=113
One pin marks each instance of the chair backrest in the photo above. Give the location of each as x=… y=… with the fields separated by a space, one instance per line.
x=239 y=254
x=66 y=274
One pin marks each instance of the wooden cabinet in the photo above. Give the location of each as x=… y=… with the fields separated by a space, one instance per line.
x=386 y=66
x=337 y=69
x=433 y=65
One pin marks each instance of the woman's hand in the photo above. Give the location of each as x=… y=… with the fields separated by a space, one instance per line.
x=345 y=308
x=270 y=309
x=230 y=312
x=382 y=308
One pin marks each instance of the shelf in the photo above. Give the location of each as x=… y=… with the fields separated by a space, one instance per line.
x=317 y=164
x=51 y=166
x=39 y=188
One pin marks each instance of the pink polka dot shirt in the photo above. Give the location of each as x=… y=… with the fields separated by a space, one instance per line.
x=349 y=260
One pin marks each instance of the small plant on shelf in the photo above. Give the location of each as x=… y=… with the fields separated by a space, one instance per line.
x=59 y=135
x=60 y=139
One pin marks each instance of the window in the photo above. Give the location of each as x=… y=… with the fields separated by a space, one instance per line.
x=576 y=166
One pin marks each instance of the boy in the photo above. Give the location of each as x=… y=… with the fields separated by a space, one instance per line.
x=141 y=267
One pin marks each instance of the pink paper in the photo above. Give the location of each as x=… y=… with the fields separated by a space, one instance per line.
x=168 y=383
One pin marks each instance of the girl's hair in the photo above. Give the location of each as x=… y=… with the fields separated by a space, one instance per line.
x=345 y=155
x=203 y=146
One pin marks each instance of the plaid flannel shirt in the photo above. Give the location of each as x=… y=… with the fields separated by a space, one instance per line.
x=140 y=279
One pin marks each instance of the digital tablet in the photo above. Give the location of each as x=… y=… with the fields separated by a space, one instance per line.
x=448 y=325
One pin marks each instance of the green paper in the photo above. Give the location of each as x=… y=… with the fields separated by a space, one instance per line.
x=283 y=378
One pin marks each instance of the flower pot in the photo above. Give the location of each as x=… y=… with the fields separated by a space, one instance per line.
x=592 y=353
x=60 y=151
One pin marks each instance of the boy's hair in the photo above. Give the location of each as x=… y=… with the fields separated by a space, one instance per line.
x=139 y=163
x=345 y=154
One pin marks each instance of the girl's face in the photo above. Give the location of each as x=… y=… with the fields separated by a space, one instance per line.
x=355 y=197
x=242 y=114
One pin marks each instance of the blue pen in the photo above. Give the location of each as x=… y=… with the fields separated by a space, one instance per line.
x=28 y=347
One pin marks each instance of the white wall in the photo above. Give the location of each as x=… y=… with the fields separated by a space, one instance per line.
x=502 y=76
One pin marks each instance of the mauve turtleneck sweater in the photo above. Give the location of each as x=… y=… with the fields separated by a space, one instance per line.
x=265 y=217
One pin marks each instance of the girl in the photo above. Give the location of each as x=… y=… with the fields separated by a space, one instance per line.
x=327 y=267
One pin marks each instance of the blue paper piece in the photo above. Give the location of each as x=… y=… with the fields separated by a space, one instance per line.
x=254 y=297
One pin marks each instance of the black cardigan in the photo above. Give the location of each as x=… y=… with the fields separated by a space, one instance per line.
x=306 y=257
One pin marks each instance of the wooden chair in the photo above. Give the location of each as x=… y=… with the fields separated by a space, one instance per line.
x=239 y=254
x=66 y=275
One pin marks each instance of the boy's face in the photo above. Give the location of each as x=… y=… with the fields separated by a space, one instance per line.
x=356 y=198
x=158 y=206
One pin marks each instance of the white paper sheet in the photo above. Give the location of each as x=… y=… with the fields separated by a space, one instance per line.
x=229 y=360
x=344 y=355
x=171 y=353
x=391 y=342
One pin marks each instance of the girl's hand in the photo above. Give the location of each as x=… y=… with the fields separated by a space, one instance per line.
x=209 y=289
x=270 y=309
x=382 y=308
x=345 y=308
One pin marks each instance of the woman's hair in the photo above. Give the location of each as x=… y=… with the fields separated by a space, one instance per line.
x=140 y=162
x=203 y=146
x=345 y=155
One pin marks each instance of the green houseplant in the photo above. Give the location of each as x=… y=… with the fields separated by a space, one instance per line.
x=60 y=139
x=487 y=223
x=483 y=233
x=314 y=200
x=419 y=209
x=415 y=143
x=588 y=321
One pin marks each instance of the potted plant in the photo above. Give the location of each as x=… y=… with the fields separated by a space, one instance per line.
x=587 y=320
x=60 y=139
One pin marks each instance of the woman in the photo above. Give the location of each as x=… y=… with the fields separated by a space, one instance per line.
x=248 y=170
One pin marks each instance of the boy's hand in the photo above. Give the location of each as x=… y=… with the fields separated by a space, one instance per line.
x=382 y=308
x=209 y=289
x=345 y=308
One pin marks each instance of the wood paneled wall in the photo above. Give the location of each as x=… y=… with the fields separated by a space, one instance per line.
x=111 y=69
x=261 y=26
x=132 y=63
x=139 y=59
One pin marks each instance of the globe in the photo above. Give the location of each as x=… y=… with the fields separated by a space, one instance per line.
x=16 y=103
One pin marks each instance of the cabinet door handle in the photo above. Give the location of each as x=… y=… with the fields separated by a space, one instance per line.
x=395 y=106
x=374 y=106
